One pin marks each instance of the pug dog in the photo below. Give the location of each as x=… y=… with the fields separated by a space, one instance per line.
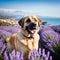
x=27 y=38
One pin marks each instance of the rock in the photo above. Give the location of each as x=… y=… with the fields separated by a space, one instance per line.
x=45 y=23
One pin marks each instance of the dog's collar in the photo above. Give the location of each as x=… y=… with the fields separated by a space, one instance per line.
x=28 y=37
x=22 y=31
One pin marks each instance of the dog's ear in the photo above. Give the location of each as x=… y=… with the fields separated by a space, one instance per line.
x=39 y=21
x=21 y=22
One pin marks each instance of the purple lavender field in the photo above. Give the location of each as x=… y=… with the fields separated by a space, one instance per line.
x=49 y=40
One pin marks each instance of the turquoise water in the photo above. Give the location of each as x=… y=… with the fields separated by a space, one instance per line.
x=51 y=21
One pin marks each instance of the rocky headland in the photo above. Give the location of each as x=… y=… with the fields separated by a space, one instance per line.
x=9 y=21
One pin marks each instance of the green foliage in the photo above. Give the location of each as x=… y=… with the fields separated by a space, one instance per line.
x=56 y=47
x=50 y=37
x=4 y=24
x=1 y=57
x=6 y=38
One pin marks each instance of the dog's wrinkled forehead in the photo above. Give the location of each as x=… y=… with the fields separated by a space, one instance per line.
x=29 y=19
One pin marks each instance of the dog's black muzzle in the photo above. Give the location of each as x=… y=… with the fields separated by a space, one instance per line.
x=31 y=26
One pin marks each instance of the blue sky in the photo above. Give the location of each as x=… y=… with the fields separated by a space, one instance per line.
x=40 y=7
x=21 y=3
x=30 y=0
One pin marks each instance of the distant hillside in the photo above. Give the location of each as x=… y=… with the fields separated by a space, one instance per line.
x=7 y=22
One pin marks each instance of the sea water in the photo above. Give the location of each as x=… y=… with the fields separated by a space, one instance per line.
x=49 y=20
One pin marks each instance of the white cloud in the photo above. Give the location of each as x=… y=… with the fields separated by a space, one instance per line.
x=50 y=11
x=7 y=10
x=13 y=10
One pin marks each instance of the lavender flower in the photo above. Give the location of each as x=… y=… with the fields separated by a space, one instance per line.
x=50 y=39
x=11 y=29
x=6 y=31
x=3 y=48
x=42 y=55
x=6 y=56
x=56 y=28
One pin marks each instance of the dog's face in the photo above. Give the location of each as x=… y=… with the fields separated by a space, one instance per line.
x=30 y=24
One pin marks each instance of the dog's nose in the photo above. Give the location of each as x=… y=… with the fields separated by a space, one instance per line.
x=33 y=25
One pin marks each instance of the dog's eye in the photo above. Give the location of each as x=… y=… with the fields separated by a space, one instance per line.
x=28 y=21
x=35 y=20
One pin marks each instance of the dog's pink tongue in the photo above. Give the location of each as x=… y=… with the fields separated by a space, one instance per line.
x=32 y=31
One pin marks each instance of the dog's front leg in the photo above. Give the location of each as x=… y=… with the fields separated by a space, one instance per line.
x=30 y=46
